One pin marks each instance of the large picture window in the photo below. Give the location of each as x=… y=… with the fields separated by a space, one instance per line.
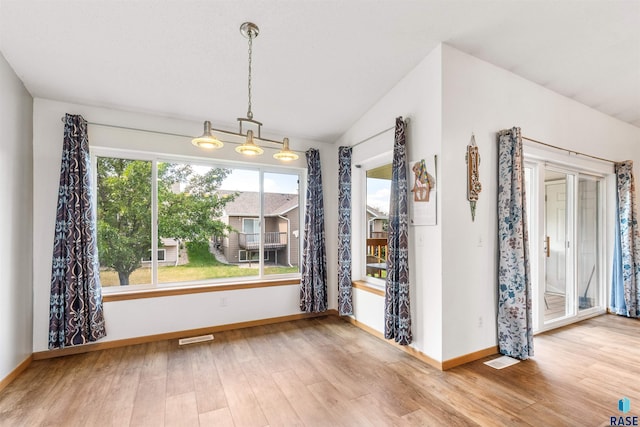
x=201 y=222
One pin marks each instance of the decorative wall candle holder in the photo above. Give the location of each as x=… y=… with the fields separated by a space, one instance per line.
x=473 y=175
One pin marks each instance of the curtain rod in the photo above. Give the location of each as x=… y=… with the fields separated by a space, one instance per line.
x=406 y=121
x=569 y=151
x=177 y=134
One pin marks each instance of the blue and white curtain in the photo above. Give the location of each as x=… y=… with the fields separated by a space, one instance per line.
x=515 y=325
x=313 y=283
x=397 y=308
x=625 y=299
x=75 y=315
x=345 y=296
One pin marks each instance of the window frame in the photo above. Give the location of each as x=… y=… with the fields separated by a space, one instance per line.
x=155 y=158
x=255 y=221
x=266 y=256
x=364 y=166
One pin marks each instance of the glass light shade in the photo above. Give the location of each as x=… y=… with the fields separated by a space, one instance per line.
x=207 y=139
x=285 y=154
x=249 y=148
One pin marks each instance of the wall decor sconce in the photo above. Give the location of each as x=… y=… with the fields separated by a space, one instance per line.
x=473 y=175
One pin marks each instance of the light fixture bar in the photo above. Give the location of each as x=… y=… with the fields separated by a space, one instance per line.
x=244 y=135
x=256 y=123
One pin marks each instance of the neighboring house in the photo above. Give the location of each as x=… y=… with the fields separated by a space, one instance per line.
x=377 y=223
x=377 y=227
x=168 y=250
x=282 y=228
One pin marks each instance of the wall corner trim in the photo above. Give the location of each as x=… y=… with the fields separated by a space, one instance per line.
x=407 y=349
x=471 y=357
x=16 y=372
x=443 y=366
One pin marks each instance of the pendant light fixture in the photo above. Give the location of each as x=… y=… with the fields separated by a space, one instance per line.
x=285 y=154
x=207 y=139
x=249 y=148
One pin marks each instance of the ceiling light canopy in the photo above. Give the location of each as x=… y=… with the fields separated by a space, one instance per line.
x=249 y=148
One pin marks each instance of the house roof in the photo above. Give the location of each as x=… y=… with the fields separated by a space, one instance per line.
x=168 y=242
x=247 y=203
x=377 y=213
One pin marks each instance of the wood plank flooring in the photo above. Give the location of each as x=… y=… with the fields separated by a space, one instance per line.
x=326 y=372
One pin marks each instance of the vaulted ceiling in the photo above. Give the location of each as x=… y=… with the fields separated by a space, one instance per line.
x=318 y=65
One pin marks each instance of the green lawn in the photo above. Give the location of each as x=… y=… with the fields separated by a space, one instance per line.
x=202 y=266
x=383 y=275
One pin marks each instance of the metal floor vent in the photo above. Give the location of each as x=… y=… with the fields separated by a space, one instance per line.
x=502 y=362
x=193 y=340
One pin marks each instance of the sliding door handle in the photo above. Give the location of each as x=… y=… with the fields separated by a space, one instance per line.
x=547 y=248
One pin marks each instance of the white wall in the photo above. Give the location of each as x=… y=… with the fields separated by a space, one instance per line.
x=16 y=183
x=481 y=98
x=134 y=318
x=449 y=96
x=418 y=97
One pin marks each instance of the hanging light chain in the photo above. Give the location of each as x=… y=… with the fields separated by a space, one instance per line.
x=250 y=34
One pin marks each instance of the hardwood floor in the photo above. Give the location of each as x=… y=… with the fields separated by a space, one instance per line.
x=326 y=372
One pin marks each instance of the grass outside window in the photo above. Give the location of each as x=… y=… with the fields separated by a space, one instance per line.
x=202 y=265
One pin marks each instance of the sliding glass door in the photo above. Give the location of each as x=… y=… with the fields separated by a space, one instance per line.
x=558 y=235
x=588 y=243
x=565 y=212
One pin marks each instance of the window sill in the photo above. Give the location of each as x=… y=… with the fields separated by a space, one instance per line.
x=186 y=290
x=368 y=287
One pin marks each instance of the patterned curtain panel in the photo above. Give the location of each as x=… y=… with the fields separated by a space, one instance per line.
x=345 y=301
x=397 y=310
x=313 y=283
x=515 y=327
x=625 y=299
x=75 y=315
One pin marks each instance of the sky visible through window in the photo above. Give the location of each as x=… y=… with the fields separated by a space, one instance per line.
x=247 y=180
x=378 y=193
